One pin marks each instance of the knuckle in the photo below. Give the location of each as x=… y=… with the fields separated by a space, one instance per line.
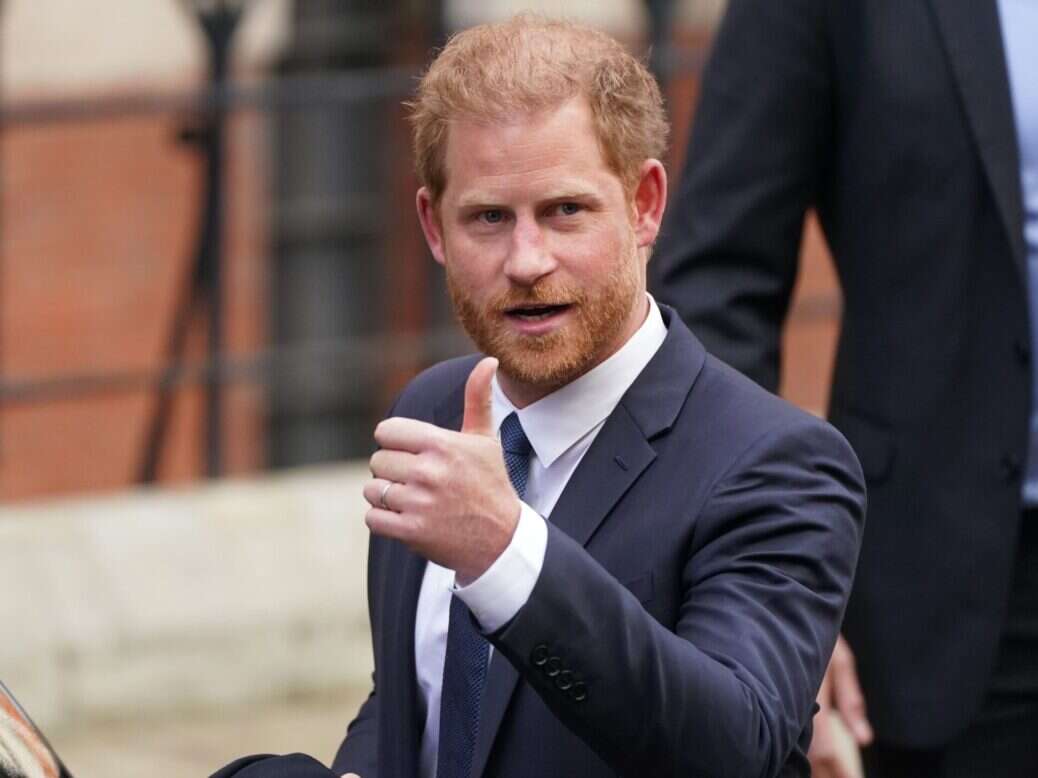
x=422 y=501
x=824 y=757
x=437 y=441
x=428 y=471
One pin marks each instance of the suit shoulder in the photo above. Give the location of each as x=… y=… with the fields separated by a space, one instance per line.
x=434 y=386
x=748 y=413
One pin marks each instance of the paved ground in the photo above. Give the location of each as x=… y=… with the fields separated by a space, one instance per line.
x=193 y=746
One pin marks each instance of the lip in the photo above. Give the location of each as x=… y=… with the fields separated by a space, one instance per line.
x=542 y=325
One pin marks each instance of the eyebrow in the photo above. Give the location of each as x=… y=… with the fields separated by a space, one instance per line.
x=487 y=200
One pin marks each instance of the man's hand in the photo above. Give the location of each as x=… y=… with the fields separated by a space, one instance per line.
x=840 y=726
x=445 y=494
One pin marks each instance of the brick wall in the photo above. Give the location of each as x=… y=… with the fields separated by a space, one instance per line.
x=98 y=222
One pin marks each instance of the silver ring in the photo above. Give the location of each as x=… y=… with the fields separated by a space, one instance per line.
x=382 y=497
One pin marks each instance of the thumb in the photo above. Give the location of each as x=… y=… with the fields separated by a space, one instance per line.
x=478 y=418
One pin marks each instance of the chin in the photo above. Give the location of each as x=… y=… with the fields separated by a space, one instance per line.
x=543 y=368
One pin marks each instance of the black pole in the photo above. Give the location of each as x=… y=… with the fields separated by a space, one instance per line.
x=219 y=26
x=2 y=112
x=206 y=281
x=661 y=18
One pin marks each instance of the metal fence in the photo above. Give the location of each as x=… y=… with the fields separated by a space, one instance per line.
x=333 y=214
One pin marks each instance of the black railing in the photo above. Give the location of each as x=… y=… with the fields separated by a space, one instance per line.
x=353 y=80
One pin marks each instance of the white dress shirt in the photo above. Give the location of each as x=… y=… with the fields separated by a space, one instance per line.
x=560 y=427
x=1019 y=19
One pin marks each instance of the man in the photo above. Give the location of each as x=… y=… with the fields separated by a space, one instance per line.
x=645 y=575
x=896 y=122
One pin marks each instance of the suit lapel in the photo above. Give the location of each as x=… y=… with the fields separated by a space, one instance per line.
x=407 y=728
x=501 y=682
x=615 y=460
x=973 y=43
x=619 y=455
x=622 y=450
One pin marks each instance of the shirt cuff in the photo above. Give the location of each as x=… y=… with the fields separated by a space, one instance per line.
x=496 y=596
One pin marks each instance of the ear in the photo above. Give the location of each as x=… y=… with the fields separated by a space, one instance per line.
x=431 y=226
x=650 y=200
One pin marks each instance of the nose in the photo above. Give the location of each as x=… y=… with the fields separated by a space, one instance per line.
x=529 y=257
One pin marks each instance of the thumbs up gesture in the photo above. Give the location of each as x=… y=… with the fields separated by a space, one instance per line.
x=445 y=494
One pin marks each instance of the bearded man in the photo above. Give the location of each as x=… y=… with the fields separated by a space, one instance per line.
x=596 y=550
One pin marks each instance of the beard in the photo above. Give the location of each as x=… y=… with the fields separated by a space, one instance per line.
x=597 y=317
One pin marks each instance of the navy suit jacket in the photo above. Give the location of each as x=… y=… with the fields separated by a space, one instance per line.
x=894 y=121
x=696 y=572
x=697 y=568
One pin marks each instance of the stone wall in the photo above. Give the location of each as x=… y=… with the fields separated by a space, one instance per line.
x=161 y=600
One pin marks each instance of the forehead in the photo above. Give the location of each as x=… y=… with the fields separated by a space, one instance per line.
x=555 y=148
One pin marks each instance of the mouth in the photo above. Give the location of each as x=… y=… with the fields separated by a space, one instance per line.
x=534 y=313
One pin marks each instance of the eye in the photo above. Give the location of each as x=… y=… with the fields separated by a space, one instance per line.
x=492 y=216
x=569 y=209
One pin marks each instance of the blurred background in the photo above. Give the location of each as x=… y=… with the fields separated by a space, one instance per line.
x=212 y=284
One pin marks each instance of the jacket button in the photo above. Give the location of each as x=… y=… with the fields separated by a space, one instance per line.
x=539 y=655
x=554 y=667
x=578 y=692
x=1011 y=467
x=1022 y=349
x=564 y=680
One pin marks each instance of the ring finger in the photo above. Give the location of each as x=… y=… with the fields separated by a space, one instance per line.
x=379 y=493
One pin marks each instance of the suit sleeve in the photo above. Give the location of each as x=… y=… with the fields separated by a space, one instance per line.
x=358 y=752
x=269 y=766
x=727 y=258
x=763 y=588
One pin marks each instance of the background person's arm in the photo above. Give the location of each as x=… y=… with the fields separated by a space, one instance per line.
x=757 y=157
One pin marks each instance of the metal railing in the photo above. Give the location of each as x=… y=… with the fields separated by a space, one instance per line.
x=349 y=87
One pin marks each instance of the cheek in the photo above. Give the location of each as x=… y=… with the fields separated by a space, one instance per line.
x=475 y=261
x=471 y=273
x=594 y=254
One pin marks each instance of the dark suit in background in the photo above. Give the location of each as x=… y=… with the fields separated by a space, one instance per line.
x=894 y=121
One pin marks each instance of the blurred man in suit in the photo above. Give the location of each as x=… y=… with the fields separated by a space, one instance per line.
x=597 y=551
x=896 y=122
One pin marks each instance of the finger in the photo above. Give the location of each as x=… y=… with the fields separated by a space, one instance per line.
x=400 y=434
x=847 y=694
x=825 y=692
x=846 y=759
x=396 y=466
x=824 y=754
x=377 y=493
x=478 y=417
x=388 y=524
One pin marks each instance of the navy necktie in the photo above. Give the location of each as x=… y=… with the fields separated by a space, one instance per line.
x=465 y=669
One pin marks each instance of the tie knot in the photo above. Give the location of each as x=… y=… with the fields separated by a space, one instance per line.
x=513 y=438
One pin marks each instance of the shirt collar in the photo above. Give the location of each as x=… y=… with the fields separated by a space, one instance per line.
x=555 y=422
